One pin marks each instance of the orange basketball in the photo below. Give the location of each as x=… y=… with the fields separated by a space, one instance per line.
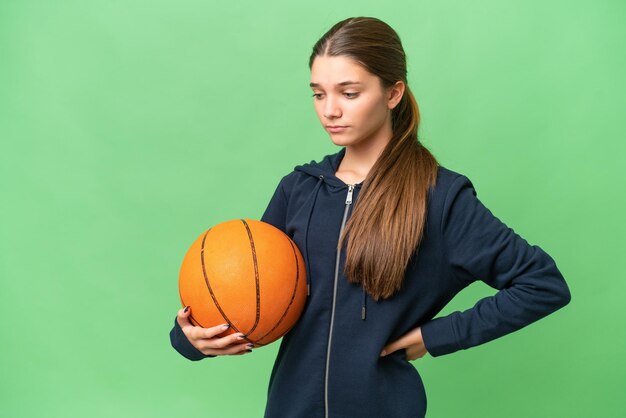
x=246 y=273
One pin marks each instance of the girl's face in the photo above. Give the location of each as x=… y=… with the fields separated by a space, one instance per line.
x=347 y=95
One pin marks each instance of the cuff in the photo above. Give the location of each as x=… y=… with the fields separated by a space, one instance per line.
x=183 y=346
x=439 y=337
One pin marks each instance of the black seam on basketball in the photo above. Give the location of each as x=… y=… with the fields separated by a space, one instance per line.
x=206 y=280
x=293 y=295
x=256 y=278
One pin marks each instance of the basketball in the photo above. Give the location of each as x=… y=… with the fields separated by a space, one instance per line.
x=246 y=273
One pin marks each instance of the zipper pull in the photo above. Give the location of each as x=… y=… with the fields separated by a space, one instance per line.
x=349 y=197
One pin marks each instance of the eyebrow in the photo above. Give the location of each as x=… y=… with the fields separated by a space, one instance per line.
x=343 y=83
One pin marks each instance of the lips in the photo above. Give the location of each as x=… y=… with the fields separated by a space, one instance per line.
x=336 y=128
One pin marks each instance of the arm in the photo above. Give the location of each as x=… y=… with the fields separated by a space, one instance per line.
x=276 y=210
x=478 y=245
x=275 y=215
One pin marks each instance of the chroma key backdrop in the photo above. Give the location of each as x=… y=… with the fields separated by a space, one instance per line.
x=129 y=127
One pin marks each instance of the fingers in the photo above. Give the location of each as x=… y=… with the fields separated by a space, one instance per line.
x=197 y=332
x=242 y=352
x=412 y=337
x=414 y=352
x=234 y=349
x=233 y=344
x=183 y=317
x=412 y=344
x=394 y=346
x=228 y=340
x=214 y=331
x=207 y=341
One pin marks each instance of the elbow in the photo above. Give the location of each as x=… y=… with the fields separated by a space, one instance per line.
x=556 y=294
x=561 y=294
x=566 y=295
x=557 y=286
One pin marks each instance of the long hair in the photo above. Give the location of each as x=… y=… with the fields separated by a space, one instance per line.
x=388 y=219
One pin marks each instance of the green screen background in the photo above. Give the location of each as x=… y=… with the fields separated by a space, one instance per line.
x=129 y=127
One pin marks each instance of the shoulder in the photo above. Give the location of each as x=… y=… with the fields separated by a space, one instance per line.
x=308 y=173
x=446 y=176
x=449 y=180
x=289 y=180
x=452 y=189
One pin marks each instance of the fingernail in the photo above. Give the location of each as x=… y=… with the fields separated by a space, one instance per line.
x=383 y=353
x=186 y=309
x=226 y=326
x=241 y=337
x=250 y=345
x=249 y=351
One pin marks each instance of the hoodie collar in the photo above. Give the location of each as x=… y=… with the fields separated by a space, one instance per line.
x=324 y=171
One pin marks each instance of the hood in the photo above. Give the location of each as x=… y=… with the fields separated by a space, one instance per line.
x=324 y=171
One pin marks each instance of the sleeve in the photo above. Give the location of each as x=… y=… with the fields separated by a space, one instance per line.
x=276 y=210
x=183 y=345
x=477 y=245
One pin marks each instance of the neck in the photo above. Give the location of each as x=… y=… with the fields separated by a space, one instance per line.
x=360 y=158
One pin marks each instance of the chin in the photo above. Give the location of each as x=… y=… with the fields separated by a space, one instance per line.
x=340 y=140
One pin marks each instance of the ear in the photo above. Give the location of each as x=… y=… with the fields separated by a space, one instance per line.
x=395 y=93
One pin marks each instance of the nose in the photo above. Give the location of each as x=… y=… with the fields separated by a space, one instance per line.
x=331 y=109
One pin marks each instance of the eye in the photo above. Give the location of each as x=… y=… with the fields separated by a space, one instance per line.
x=351 y=95
x=317 y=95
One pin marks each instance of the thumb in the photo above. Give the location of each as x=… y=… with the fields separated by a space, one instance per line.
x=183 y=317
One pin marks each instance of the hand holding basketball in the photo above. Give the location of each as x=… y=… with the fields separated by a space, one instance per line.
x=245 y=273
x=206 y=340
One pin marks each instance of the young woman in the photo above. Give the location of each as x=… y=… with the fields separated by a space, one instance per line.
x=389 y=237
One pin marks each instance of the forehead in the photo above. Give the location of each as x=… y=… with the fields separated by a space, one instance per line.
x=329 y=71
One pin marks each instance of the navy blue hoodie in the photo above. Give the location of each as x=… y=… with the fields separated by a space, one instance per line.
x=328 y=364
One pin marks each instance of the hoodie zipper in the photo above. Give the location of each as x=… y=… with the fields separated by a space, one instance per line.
x=332 y=312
